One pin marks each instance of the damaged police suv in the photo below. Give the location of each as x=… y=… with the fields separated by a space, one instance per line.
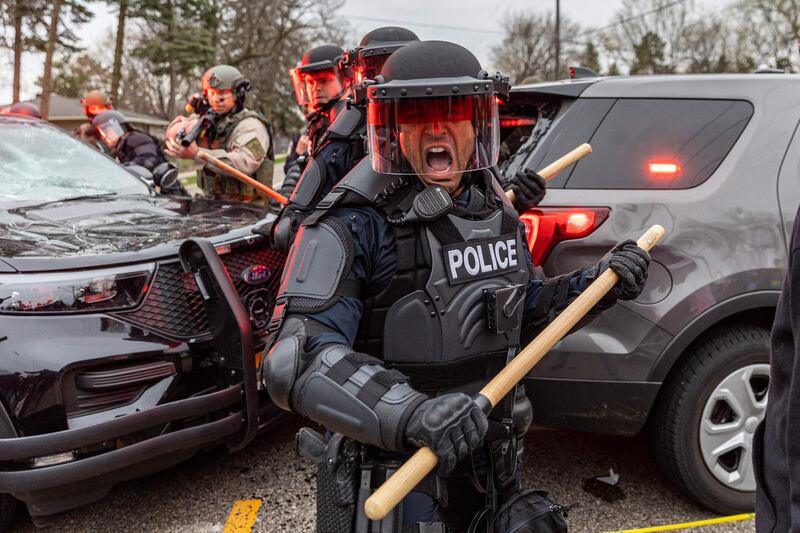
x=715 y=159
x=108 y=368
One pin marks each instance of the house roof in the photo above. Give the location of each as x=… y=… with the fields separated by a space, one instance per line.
x=63 y=108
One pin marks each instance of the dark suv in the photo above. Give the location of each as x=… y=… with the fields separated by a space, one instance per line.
x=108 y=369
x=714 y=159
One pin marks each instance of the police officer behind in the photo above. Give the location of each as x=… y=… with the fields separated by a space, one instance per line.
x=321 y=87
x=132 y=147
x=396 y=305
x=240 y=138
x=93 y=103
x=341 y=146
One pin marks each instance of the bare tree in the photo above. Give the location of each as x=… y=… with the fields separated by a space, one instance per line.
x=264 y=39
x=116 y=73
x=774 y=30
x=48 y=60
x=527 y=47
x=653 y=31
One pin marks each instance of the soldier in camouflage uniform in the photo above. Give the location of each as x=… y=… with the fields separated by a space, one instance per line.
x=241 y=138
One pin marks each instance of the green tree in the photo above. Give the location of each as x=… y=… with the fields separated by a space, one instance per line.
x=649 y=56
x=75 y=75
x=589 y=58
x=178 y=43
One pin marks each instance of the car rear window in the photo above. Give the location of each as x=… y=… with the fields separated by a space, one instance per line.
x=656 y=143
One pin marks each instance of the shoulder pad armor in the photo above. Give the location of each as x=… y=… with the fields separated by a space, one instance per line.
x=346 y=124
x=320 y=256
x=309 y=184
x=369 y=186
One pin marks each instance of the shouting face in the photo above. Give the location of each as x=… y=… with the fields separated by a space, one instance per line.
x=221 y=100
x=439 y=152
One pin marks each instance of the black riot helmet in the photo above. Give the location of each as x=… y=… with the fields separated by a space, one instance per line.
x=321 y=62
x=433 y=112
x=111 y=125
x=366 y=60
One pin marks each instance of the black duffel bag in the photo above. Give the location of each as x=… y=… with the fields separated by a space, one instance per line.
x=530 y=511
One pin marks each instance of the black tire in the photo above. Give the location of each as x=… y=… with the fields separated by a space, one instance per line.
x=675 y=420
x=8 y=511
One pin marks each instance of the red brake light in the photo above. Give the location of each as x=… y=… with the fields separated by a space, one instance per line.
x=514 y=122
x=664 y=168
x=547 y=226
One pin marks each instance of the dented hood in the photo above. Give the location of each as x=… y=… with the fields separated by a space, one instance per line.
x=97 y=231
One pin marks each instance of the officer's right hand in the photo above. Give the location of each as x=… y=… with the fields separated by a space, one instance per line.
x=302 y=145
x=451 y=425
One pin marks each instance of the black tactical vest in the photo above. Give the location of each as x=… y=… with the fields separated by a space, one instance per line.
x=451 y=313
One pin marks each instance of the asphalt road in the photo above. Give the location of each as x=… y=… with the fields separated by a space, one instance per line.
x=197 y=496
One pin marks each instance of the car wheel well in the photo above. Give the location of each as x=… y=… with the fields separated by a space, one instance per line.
x=760 y=317
x=757 y=309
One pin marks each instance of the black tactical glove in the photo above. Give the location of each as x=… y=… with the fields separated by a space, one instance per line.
x=630 y=263
x=529 y=188
x=451 y=425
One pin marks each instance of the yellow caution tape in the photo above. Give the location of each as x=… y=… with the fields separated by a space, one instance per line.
x=687 y=525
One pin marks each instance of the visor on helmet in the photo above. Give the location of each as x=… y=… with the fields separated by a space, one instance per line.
x=93 y=110
x=111 y=131
x=367 y=67
x=299 y=85
x=433 y=136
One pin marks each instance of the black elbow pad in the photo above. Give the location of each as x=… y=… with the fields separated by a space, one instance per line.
x=353 y=394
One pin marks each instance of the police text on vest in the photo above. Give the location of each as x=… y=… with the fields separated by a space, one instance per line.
x=481 y=258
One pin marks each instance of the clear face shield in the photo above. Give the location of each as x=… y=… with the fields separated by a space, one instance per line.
x=299 y=85
x=435 y=138
x=111 y=131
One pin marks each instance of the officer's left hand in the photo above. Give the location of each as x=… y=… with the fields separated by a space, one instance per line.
x=529 y=189
x=630 y=263
x=175 y=149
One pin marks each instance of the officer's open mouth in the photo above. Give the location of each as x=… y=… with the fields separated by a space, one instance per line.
x=438 y=158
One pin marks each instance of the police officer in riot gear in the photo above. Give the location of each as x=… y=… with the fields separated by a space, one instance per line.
x=320 y=87
x=132 y=147
x=406 y=290
x=341 y=145
x=93 y=103
x=240 y=137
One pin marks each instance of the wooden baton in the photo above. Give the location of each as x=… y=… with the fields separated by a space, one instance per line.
x=241 y=176
x=413 y=471
x=558 y=165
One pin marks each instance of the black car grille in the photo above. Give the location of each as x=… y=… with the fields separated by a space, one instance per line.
x=174 y=307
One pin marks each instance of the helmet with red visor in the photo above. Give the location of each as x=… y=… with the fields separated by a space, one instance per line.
x=366 y=61
x=433 y=112
x=317 y=79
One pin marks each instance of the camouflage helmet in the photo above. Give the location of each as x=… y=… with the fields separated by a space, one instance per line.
x=222 y=77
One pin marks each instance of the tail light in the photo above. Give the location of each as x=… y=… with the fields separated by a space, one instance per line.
x=548 y=226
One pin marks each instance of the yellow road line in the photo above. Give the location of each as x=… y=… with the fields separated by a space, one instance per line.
x=687 y=525
x=242 y=516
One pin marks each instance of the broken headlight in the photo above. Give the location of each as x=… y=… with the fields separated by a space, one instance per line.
x=111 y=289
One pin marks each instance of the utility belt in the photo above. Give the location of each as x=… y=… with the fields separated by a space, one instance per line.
x=349 y=472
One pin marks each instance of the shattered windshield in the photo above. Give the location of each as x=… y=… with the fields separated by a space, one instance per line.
x=41 y=164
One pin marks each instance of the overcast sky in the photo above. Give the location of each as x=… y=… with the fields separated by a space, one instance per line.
x=475 y=24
